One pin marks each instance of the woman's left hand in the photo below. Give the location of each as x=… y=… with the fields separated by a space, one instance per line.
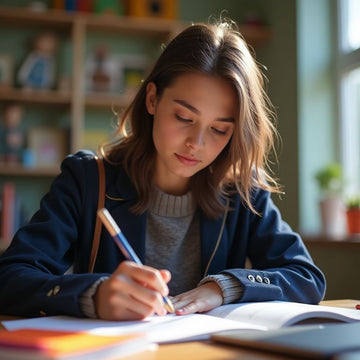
x=200 y=299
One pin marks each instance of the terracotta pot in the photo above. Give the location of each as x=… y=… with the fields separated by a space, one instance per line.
x=353 y=221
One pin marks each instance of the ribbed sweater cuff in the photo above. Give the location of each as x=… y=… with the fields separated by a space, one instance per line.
x=86 y=299
x=231 y=288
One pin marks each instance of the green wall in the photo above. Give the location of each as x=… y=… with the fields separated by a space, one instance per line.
x=316 y=103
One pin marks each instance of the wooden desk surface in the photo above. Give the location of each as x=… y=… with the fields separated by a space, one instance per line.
x=207 y=350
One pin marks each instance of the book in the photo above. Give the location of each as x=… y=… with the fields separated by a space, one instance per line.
x=172 y=328
x=277 y=314
x=8 y=201
x=31 y=344
x=12 y=215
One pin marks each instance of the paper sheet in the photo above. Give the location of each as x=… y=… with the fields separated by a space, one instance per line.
x=159 y=329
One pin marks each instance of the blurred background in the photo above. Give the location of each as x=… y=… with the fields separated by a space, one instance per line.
x=67 y=68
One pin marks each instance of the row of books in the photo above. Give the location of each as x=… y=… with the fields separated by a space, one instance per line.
x=12 y=214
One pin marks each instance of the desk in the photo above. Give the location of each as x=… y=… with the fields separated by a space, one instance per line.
x=207 y=350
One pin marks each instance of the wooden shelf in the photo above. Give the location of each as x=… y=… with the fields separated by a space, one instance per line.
x=35 y=96
x=106 y=100
x=19 y=170
x=25 y=17
x=345 y=242
x=255 y=35
x=150 y=27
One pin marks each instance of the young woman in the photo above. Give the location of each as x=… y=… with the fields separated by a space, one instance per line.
x=188 y=184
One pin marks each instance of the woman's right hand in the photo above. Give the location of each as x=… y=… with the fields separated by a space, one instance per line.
x=132 y=292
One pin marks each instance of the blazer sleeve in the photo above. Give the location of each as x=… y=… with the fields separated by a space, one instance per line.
x=281 y=267
x=32 y=280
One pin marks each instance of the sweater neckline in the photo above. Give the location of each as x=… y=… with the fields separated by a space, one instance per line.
x=168 y=205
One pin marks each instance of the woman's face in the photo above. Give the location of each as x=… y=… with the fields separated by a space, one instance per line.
x=193 y=121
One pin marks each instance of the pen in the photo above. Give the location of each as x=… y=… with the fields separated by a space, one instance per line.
x=121 y=241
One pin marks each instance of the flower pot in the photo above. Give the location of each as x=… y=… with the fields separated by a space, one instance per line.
x=333 y=219
x=353 y=221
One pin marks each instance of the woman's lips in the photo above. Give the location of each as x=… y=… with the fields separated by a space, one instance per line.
x=187 y=160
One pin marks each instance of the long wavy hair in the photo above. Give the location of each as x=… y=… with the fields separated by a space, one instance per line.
x=217 y=50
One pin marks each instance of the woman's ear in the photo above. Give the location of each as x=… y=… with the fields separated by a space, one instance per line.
x=150 y=98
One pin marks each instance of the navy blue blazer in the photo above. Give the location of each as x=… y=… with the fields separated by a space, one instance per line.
x=32 y=270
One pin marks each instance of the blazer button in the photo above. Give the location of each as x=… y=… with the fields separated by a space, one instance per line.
x=266 y=280
x=56 y=289
x=251 y=278
x=42 y=313
x=259 y=279
x=50 y=293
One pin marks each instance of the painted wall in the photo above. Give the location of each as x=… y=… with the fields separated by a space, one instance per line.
x=316 y=104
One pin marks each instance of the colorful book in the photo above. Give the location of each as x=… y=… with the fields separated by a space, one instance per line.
x=35 y=344
x=7 y=212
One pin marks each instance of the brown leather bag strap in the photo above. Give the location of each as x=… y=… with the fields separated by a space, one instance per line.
x=101 y=202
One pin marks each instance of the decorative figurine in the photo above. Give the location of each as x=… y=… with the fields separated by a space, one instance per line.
x=38 y=69
x=11 y=134
x=102 y=71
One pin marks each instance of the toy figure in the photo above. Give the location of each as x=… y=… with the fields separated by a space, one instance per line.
x=12 y=136
x=38 y=69
x=102 y=71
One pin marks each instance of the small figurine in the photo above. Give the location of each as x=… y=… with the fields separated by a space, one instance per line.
x=102 y=71
x=101 y=77
x=11 y=134
x=38 y=69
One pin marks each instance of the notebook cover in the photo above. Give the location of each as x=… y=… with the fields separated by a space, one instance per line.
x=60 y=343
x=307 y=341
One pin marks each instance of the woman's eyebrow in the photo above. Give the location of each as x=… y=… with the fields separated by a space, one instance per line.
x=188 y=106
x=197 y=112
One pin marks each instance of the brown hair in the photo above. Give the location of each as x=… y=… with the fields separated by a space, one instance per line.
x=218 y=50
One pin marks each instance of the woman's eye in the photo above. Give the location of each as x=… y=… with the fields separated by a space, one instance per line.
x=182 y=119
x=220 y=132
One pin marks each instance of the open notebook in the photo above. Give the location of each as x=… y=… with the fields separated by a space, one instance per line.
x=172 y=328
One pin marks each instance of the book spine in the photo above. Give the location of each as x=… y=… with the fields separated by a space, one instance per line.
x=8 y=212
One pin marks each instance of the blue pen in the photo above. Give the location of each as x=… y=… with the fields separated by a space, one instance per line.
x=125 y=247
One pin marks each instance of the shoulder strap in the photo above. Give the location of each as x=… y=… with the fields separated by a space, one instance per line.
x=101 y=202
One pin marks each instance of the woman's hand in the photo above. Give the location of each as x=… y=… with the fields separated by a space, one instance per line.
x=200 y=299
x=132 y=292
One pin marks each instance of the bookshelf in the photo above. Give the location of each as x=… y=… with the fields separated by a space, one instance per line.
x=79 y=26
x=76 y=104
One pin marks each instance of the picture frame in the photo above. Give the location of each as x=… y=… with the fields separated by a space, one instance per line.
x=48 y=145
x=133 y=69
x=6 y=70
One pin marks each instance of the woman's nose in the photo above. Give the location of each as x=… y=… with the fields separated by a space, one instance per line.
x=196 y=138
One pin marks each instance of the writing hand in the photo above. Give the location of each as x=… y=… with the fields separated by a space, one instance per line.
x=200 y=299
x=132 y=292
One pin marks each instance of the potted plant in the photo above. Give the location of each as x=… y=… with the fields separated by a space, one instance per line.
x=353 y=214
x=331 y=204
